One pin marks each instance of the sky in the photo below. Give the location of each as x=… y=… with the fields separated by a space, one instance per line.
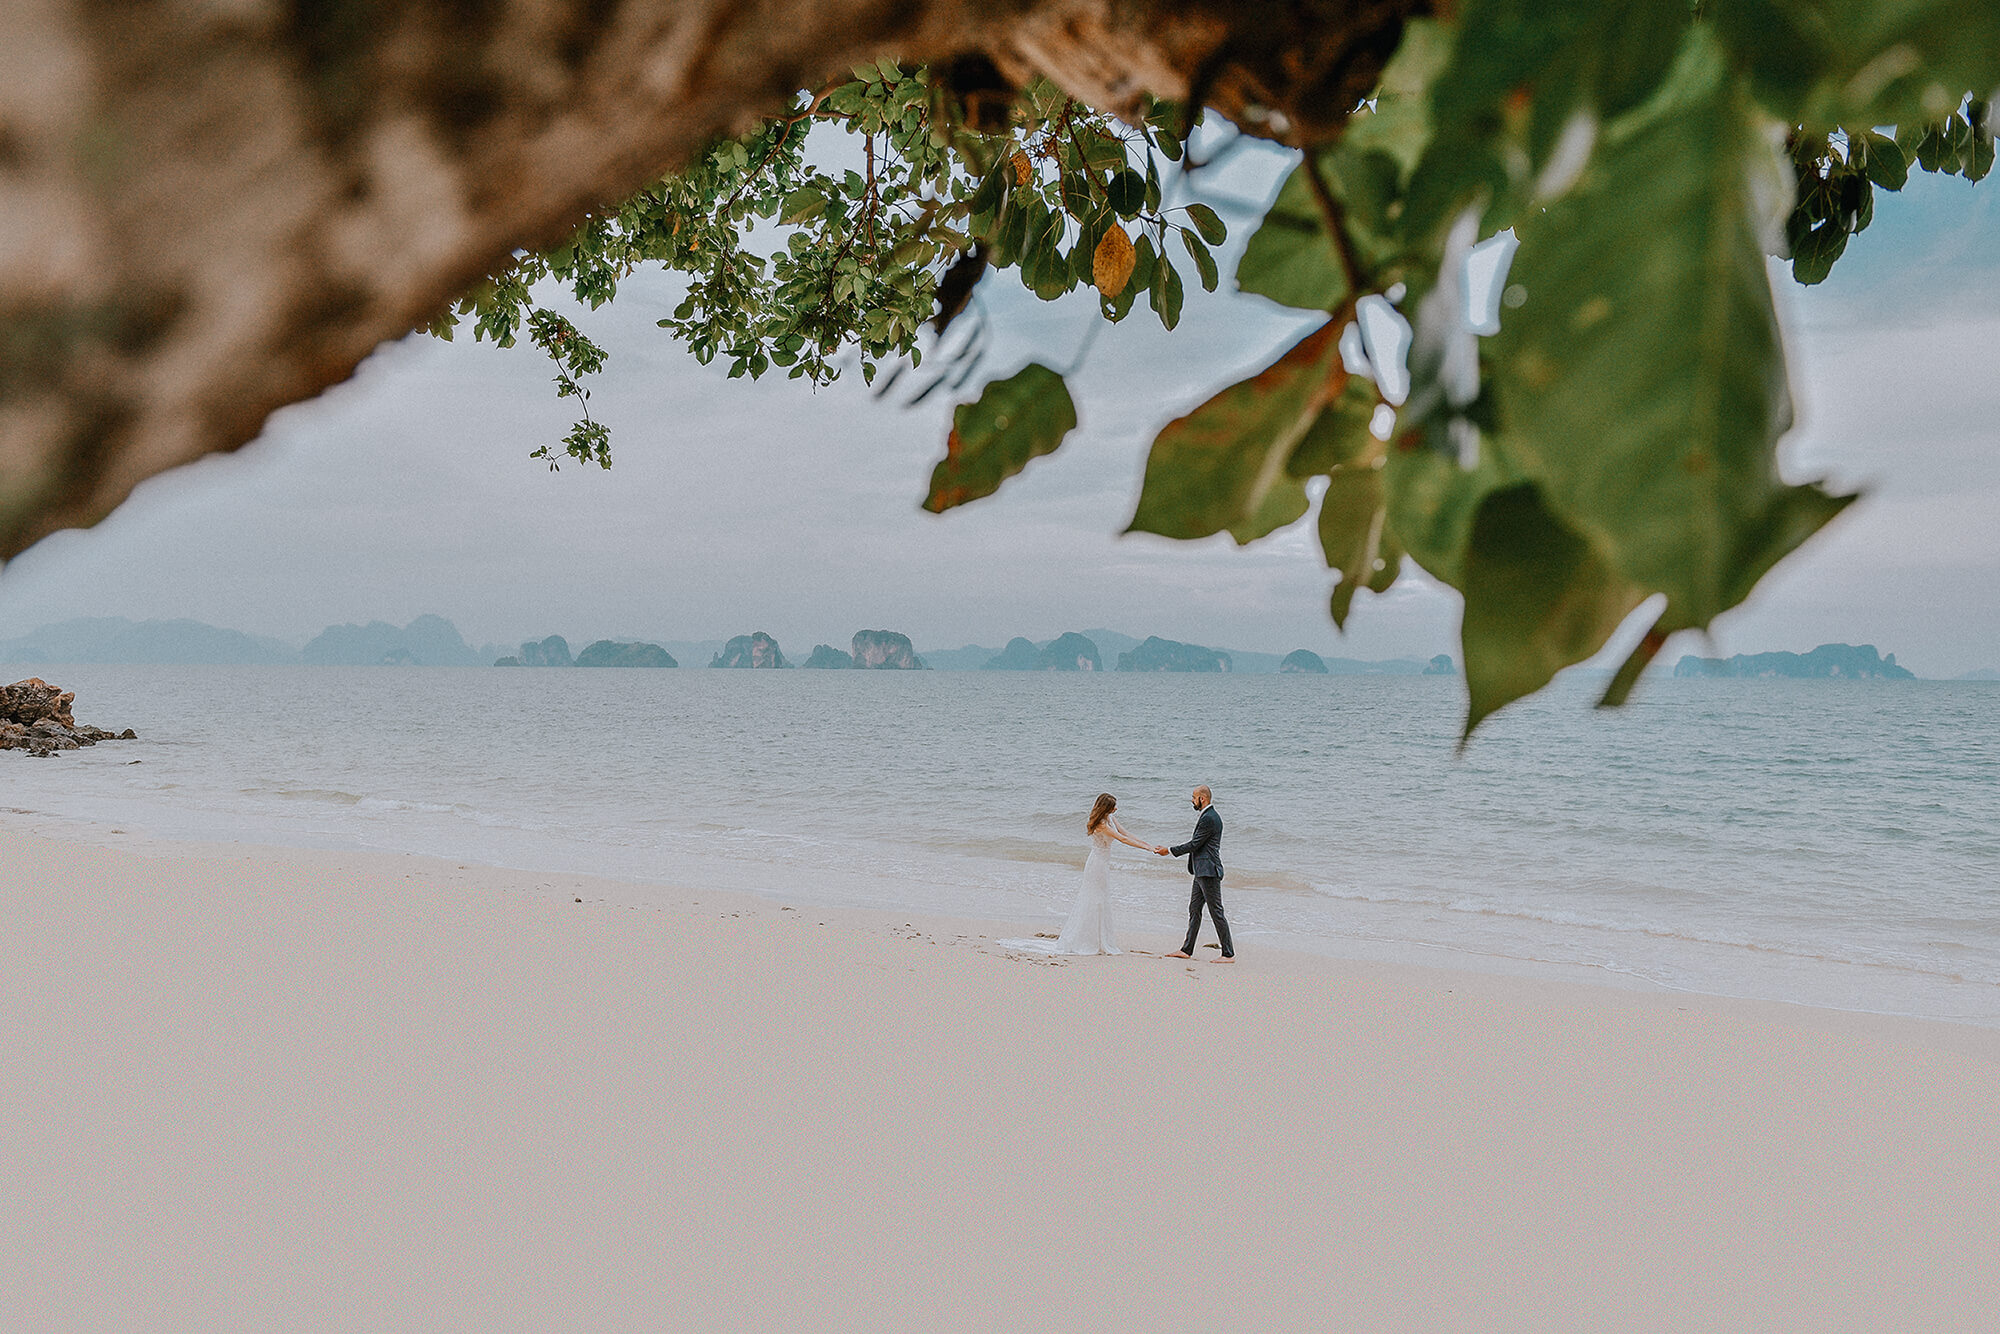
x=735 y=506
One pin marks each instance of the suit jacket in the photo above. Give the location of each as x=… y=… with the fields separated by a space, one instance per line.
x=1204 y=850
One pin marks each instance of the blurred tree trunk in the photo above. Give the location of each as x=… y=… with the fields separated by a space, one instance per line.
x=212 y=208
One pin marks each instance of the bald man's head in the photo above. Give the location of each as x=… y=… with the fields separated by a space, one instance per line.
x=1202 y=797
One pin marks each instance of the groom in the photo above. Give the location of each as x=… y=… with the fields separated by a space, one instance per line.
x=1204 y=854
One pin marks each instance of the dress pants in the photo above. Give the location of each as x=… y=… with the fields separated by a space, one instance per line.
x=1208 y=890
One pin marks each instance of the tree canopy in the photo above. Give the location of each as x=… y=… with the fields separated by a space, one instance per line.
x=1614 y=440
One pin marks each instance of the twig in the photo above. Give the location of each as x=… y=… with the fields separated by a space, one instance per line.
x=1336 y=227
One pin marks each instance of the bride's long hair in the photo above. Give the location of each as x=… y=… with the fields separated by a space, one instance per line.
x=1106 y=803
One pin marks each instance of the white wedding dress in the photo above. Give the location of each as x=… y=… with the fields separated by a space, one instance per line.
x=1088 y=927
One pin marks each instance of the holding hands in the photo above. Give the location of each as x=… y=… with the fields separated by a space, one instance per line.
x=1162 y=851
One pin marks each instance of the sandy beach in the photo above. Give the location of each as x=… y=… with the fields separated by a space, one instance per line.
x=257 y=1088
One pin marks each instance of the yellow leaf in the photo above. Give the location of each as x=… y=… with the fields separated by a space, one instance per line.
x=1111 y=263
x=1022 y=169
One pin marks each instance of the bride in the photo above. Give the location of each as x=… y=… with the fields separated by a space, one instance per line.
x=1088 y=928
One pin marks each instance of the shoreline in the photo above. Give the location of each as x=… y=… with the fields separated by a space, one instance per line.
x=256 y=1087
x=1359 y=946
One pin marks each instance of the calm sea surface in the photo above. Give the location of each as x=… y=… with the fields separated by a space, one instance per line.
x=1825 y=842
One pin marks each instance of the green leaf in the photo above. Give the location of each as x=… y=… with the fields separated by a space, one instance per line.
x=1204 y=262
x=1886 y=163
x=1397 y=122
x=1207 y=223
x=1079 y=200
x=986 y=199
x=1825 y=63
x=1538 y=598
x=1340 y=434
x=1101 y=151
x=1646 y=394
x=1165 y=293
x=1126 y=193
x=1283 y=505
x=1290 y=258
x=1568 y=57
x=1044 y=269
x=1979 y=152
x=1017 y=419
x=1021 y=212
x=1214 y=468
x=802 y=205
x=1351 y=529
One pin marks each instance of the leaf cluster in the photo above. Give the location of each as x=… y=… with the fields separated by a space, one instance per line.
x=850 y=261
x=1615 y=442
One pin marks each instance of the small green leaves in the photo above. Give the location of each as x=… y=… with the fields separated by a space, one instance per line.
x=1882 y=158
x=802 y=205
x=1204 y=262
x=1165 y=292
x=1126 y=193
x=1207 y=223
x=1213 y=470
x=1016 y=419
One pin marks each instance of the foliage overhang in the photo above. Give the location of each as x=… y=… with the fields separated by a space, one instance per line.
x=1613 y=445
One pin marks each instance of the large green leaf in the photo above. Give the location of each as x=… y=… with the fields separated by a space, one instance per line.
x=1397 y=120
x=1531 y=81
x=1641 y=381
x=1538 y=598
x=1340 y=434
x=1351 y=532
x=1826 y=63
x=1283 y=505
x=1432 y=501
x=1290 y=258
x=1016 y=419
x=1215 y=468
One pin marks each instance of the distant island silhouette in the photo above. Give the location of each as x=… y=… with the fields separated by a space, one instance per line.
x=1827 y=662
x=433 y=641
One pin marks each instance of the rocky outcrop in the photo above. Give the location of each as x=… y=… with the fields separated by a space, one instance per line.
x=1070 y=652
x=35 y=716
x=33 y=701
x=1167 y=655
x=885 y=650
x=1020 y=655
x=1303 y=660
x=1441 y=665
x=752 y=650
x=825 y=657
x=1067 y=652
x=550 y=652
x=613 y=653
x=1827 y=662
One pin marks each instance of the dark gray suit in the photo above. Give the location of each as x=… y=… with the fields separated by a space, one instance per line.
x=1204 y=854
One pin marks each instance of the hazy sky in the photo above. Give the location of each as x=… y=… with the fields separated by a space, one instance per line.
x=736 y=506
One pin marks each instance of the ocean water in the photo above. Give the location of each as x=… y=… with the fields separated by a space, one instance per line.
x=1831 y=843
